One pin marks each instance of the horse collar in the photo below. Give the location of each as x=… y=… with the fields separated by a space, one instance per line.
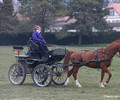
x=97 y=60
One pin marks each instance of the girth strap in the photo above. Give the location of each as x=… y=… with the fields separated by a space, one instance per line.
x=104 y=51
x=96 y=53
x=96 y=58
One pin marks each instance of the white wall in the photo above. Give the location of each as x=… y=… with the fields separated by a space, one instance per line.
x=1 y=1
x=16 y=5
x=113 y=18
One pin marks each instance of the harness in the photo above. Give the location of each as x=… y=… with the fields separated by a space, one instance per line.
x=96 y=59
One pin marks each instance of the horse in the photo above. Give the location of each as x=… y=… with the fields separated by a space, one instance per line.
x=100 y=58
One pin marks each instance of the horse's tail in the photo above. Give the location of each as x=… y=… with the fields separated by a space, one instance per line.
x=67 y=61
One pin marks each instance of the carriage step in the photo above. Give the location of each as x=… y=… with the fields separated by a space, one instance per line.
x=28 y=74
x=22 y=56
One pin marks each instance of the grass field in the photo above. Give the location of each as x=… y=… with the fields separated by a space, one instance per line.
x=88 y=78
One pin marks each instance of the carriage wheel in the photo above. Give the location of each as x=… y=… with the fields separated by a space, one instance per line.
x=17 y=74
x=42 y=75
x=59 y=76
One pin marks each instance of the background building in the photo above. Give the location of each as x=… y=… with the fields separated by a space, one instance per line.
x=108 y=2
x=113 y=19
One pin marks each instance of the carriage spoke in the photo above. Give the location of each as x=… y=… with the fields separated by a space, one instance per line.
x=17 y=74
x=42 y=75
x=59 y=76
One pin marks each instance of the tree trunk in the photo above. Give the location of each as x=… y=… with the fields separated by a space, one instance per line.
x=43 y=30
x=43 y=20
x=80 y=39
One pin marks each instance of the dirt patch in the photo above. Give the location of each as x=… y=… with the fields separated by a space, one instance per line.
x=22 y=99
x=110 y=96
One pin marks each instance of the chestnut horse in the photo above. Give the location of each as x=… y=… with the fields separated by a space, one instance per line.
x=100 y=58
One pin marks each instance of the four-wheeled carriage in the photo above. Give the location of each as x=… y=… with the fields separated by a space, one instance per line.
x=43 y=69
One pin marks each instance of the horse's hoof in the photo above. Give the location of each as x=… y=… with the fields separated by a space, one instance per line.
x=105 y=84
x=101 y=85
x=79 y=86
x=65 y=84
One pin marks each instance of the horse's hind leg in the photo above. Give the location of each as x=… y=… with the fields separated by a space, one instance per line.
x=101 y=80
x=68 y=77
x=75 y=71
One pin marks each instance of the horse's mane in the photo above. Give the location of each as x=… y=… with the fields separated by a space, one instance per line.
x=116 y=41
x=113 y=43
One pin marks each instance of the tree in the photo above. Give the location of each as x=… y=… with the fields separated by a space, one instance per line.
x=43 y=12
x=88 y=14
x=7 y=21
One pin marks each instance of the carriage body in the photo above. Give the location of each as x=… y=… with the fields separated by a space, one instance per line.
x=44 y=69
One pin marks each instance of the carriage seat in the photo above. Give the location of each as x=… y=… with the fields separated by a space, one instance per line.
x=34 y=49
x=33 y=46
x=18 y=48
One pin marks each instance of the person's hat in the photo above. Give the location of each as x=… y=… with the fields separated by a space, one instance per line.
x=36 y=27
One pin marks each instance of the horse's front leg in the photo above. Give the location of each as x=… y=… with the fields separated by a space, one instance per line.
x=68 y=77
x=101 y=80
x=75 y=71
x=110 y=75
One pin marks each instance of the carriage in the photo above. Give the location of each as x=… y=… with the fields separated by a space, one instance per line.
x=44 y=70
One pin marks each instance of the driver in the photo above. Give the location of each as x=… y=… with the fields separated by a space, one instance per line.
x=37 y=37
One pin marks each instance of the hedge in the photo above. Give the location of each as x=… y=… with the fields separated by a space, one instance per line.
x=22 y=38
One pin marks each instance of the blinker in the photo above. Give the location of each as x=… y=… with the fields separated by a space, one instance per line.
x=16 y=52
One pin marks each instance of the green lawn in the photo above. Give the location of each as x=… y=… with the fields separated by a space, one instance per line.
x=88 y=78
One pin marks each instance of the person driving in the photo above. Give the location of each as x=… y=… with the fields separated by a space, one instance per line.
x=38 y=39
